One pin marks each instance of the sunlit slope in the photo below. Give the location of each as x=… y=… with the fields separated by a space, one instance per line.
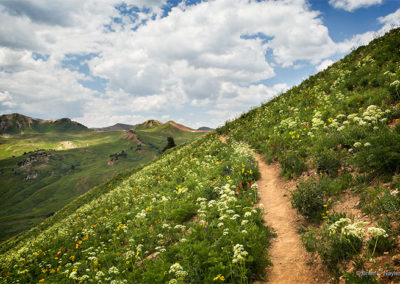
x=189 y=216
x=339 y=131
x=35 y=184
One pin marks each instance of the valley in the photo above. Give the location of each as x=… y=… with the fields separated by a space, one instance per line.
x=42 y=171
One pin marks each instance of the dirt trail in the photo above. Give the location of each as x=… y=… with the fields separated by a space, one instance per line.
x=288 y=256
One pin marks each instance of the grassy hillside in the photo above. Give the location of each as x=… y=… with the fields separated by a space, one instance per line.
x=190 y=216
x=37 y=183
x=338 y=133
x=187 y=216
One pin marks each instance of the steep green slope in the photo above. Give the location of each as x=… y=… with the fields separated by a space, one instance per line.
x=187 y=217
x=339 y=130
x=36 y=184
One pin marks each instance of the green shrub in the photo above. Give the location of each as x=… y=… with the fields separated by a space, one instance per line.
x=292 y=164
x=329 y=162
x=309 y=199
x=379 y=201
x=394 y=91
x=335 y=242
x=382 y=157
x=380 y=245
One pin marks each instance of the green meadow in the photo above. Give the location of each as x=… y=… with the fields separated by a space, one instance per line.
x=40 y=172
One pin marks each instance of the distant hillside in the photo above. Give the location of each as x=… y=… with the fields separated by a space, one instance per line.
x=147 y=124
x=205 y=128
x=18 y=123
x=118 y=126
x=36 y=179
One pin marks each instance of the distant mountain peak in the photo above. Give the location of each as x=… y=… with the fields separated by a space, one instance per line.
x=151 y=123
x=18 y=123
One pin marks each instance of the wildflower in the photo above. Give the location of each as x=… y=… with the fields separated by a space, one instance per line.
x=219 y=277
x=113 y=270
x=357 y=144
x=73 y=275
x=99 y=274
x=239 y=253
x=41 y=280
x=247 y=214
x=377 y=232
x=177 y=269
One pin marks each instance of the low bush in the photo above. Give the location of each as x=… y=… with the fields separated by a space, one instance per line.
x=382 y=155
x=379 y=200
x=309 y=199
x=329 y=162
x=292 y=164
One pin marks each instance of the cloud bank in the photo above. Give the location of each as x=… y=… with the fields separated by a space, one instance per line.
x=108 y=61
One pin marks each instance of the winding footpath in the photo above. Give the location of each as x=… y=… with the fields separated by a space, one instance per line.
x=288 y=256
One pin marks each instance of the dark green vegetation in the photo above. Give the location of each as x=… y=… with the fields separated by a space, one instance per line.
x=170 y=144
x=339 y=134
x=53 y=165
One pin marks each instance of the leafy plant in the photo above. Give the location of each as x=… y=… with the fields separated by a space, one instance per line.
x=309 y=199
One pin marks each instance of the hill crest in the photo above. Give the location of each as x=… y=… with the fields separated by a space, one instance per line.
x=19 y=123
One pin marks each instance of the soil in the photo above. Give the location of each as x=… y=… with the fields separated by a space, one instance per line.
x=287 y=254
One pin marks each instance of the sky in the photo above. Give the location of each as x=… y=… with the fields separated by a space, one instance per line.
x=200 y=63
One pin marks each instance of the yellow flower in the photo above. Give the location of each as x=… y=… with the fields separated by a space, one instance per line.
x=44 y=270
x=96 y=262
x=72 y=257
x=52 y=270
x=228 y=177
x=127 y=262
x=219 y=277
x=41 y=280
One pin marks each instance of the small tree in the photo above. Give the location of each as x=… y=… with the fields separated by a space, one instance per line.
x=170 y=144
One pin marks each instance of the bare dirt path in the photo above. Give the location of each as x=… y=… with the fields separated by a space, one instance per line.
x=288 y=256
x=287 y=253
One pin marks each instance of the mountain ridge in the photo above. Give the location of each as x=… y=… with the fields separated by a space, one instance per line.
x=19 y=123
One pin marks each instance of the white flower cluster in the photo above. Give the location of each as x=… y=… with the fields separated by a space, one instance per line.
x=377 y=232
x=113 y=270
x=345 y=227
x=239 y=254
x=177 y=269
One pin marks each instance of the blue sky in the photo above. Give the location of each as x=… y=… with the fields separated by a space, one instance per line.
x=197 y=62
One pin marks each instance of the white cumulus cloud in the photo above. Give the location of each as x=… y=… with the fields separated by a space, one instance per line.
x=351 y=5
